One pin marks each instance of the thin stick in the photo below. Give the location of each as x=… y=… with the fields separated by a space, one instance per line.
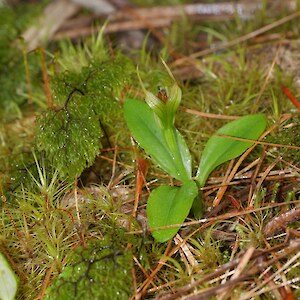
x=260 y=182
x=289 y=262
x=140 y=179
x=113 y=172
x=46 y=281
x=160 y=264
x=217 y=218
x=46 y=78
x=259 y=142
x=207 y=115
x=289 y=94
x=239 y=269
x=240 y=39
x=224 y=182
x=255 y=104
x=255 y=175
x=76 y=200
x=241 y=159
x=223 y=189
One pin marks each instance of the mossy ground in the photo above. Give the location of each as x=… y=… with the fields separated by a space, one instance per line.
x=51 y=220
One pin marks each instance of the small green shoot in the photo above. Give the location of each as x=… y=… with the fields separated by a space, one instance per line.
x=153 y=128
x=147 y=130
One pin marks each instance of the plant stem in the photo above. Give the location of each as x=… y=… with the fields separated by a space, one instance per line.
x=170 y=137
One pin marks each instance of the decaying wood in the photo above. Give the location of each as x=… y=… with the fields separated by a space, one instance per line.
x=185 y=253
x=243 y=9
x=54 y=15
x=161 y=16
x=55 y=23
x=112 y=27
x=101 y=7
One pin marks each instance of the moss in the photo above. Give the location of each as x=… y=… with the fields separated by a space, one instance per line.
x=41 y=229
x=101 y=270
x=40 y=233
x=287 y=134
x=70 y=132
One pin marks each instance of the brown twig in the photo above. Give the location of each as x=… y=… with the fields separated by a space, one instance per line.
x=111 y=28
x=252 y=196
x=205 y=294
x=46 y=78
x=281 y=221
x=241 y=39
x=46 y=281
x=51 y=20
x=207 y=115
x=213 y=220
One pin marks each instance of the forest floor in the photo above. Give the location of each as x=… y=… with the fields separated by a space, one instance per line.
x=74 y=182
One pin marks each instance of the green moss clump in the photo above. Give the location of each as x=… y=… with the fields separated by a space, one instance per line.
x=98 y=271
x=70 y=133
x=71 y=140
x=288 y=134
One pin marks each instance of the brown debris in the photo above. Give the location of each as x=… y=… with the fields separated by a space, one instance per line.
x=54 y=15
x=281 y=221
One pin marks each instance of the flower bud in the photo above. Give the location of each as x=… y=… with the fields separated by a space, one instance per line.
x=174 y=98
x=155 y=104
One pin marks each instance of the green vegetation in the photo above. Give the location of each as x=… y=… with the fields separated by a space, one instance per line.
x=100 y=270
x=13 y=81
x=153 y=128
x=78 y=193
x=84 y=102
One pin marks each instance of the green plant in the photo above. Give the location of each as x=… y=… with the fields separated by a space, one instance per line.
x=153 y=128
x=8 y=280
x=85 y=100
x=101 y=270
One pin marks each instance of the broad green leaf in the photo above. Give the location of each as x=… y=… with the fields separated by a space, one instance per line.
x=147 y=131
x=168 y=205
x=8 y=280
x=220 y=149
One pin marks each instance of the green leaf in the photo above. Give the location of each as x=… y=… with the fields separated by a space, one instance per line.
x=197 y=206
x=168 y=205
x=220 y=149
x=146 y=130
x=8 y=280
